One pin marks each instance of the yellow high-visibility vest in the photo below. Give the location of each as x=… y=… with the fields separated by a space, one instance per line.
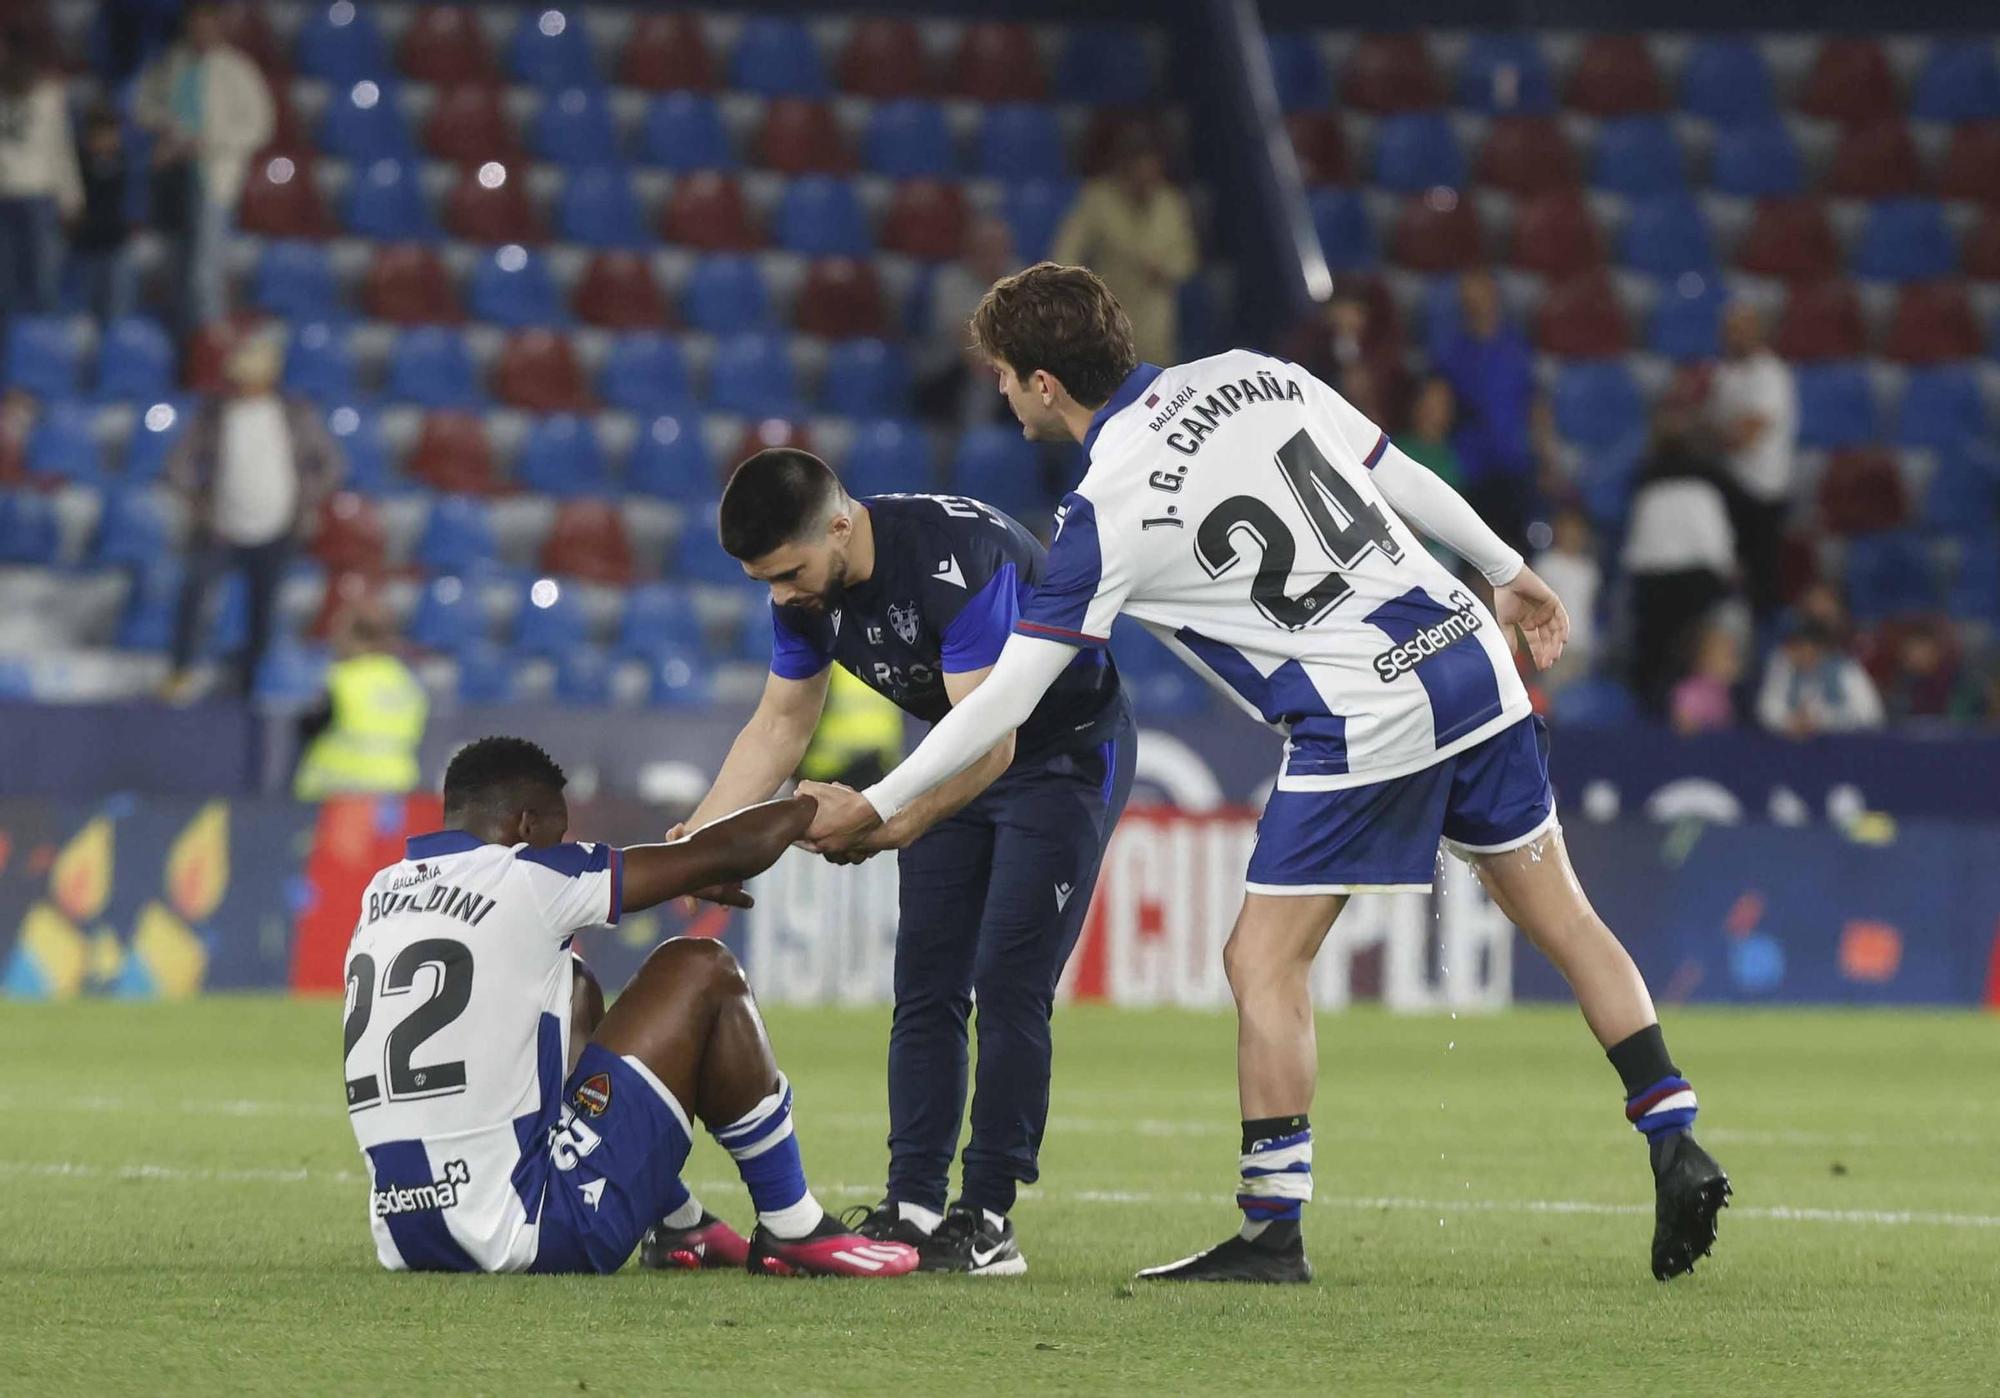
x=857 y=721
x=379 y=709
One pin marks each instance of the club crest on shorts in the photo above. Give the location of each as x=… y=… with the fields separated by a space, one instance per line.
x=593 y=1094
x=904 y=619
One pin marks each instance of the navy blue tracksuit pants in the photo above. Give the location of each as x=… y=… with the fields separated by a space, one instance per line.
x=992 y=902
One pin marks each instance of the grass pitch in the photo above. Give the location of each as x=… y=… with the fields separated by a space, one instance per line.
x=181 y=1209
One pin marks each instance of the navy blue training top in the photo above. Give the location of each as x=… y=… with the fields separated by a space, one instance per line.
x=950 y=578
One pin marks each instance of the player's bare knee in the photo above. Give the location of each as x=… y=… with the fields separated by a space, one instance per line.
x=699 y=960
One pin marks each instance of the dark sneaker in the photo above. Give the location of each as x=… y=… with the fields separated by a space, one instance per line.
x=1278 y=1254
x=966 y=1242
x=830 y=1250
x=1689 y=1189
x=883 y=1224
x=709 y=1243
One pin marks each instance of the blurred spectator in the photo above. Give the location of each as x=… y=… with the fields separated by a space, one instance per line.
x=1756 y=414
x=1680 y=551
x=362 y=736
x=1813 y=686
x=955 y=386
x=1705 y=701
x=1569 y=566
x=39 y=186
x=1491 y=370
x=1428 y=438
x=1822 y=603
x=1978 y=696
x=17 y=419
x=253 y=467
x=1923 y=681
x=97 y=243
x=210 y=111
x=1349 y=345
x=1133 y=229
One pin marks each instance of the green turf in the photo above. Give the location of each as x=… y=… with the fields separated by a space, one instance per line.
x=243 y=1262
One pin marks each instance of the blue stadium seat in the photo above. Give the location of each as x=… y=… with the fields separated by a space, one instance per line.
x=132 y=530
x=448 y=618
x=1836 y=405
x=1941 y=407
x=294 y=280
x=997 y=465
x=598 y=208
x=1665 y=234
x=575 y=127
x=1595 y=702
x=386 y=201
x=290 y=675
x=1958 y=82
x=1021 y=141
x=726 y=293
x=907 y=139
x=1034 y=210
x=670 y=461
x=1160 y=683
x=551 y=49
x=226 y=625
x=62 y=444
x=583 y=677
x=698 y=554
x=659 y=617
x=360 y=441
x=1974 y=594
x=44 y=356
x=17 y=681
x=1964 y=490
x=363 y=123
x=319 y=364
x=457 y=536
x=1437 y=315
x=135 y=361
x=889 y=457
x=1757 y=161
x=819 y=215
x=778 y=58
x=646 y=373
x=1687 y=317
x=1889 y=573
x=1298 y=71
x=1505 y=74
x=1728 y=81
x=752 y=374
x=1597 y=402
x=432 y=366
x=1606 y=478
x=752 y=639
x=681 y=680
x=1346 y=233
x=867 y=378
x=1104 y=66
x=147 y=622
x=29 y=530
x=563 y=457
x=1416 y=151
x=550 y=619
x=512 y=286
x=341 y=44
x=487 y=674
x=1905 y=240
x=153 y=435
x=684 y=131
x=1638 y=155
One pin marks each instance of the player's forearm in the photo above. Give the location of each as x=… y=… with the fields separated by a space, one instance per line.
x=737 y=847
x=1442 y=513
x=943 y=802
x=760 y=759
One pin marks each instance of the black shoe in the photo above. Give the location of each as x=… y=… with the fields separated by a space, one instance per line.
x=965 y=1242
x=1689 y=1190
x=883 y=1224
x=1278 y=1254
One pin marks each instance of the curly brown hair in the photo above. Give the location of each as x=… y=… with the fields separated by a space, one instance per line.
x=1062 y=320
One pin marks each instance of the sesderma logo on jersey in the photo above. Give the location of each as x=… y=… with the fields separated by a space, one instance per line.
x=1403 y=658
x=413 y=1199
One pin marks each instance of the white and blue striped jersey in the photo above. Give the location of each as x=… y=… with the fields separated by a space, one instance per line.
x=457 y=1036
x=1228 y=506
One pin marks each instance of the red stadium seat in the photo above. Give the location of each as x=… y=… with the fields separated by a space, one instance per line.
x=407 y=284
x=1321 y=147
x=453 y=455
x=885 y=58
x=1933 y=323
x=1583 y=318
x=667 y=53
x=281 y=200
x=1850 y=82
x=800 y=137
x=773 y=432
x=470 y=124
x=1971 y=167
x=1391 y=73
x=1527 y=155
x=539 y=371
x=490 y=204
x=1437 y=232
x=617 y=291
x=1790 y=238
x=208 y=349
x=348 y=536
x=998 y=63
x=1874 y=162
x=1555 y=233
x=1822 y=321
x=707 y=211
x=1615 y=76
x=1862 y=492
x=1979 y=254
x=446 y=45
x=925 y=219
x=840 y=299
x=588 y=541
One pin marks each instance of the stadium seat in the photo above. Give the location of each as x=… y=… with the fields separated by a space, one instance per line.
x=699 y=557
x=1836 y=405
x=1033 y=210
x=575 y=127
x=30 y=533
x=294 y=280
x=1298 y=72
x=1932 y=324
x=667 y=52
x=867 y=378
x=1849 y=82
x=290 y=674
x=766 y=434
x=147 y=623
x=777 y=58
x=457 y=536
x=588 y=541
x=1971 y=168
x=888 y=457
x=680 y=680
x=360 y=440
x=1875 y=161
x=1686 y=324
x=670 y=461
x=135 y=360
x=549 y=620
x=1105 y=65
x=927 y=219
x=1346 y=233
x=339 y=44
x=1637 y=155
x=706 y=210
x=1958 y=82
x=1391 y=73
x=1889 y=574
x=583 y=678
x=1415 y=151
x=1595 y=701
x=997 y=62
x=538 y=370
x=408 y=284
x=1979 y=253
x=132 y=530
x=319 y=364
x=551 y=49
x=63 y=446
x=348 y=535
x=1018 y=141
x=1556 y=234
x=280 y=198
x=1110 y=129
x=452 y=454
x=802 y=137
x=752 y=374
x=1964 y=491
x=487 y=674
x=617 y=292
x=598 y=209
x=908 y=138
x=1904 y=240
x=1666 y=235
x=362 y=123
x=1757 y=161
x=1526 y=155
x=433 y=367
x=684 y=131
x=1821 y=321
x=511 y=286
x=445 y=45
x=1728 y=82
x=1790 y=238
x=1321 y=148
x=1597 y=403
x=448 y=617
x=997 y=465
x=884 y=58
x=1614 y=76
x=1505 y=74
x=45 y=356
x=1436 y=232
x=1940 y=407
x=840 y=299
x=563 y=457
x=1974 y=592
x=819 y=215
x=1160 y=685
x=726 y=293
x=658 y=617
x=1582 y=317
x=153 y=436
x=490 y=204
x=386 y=202
x=646 y=374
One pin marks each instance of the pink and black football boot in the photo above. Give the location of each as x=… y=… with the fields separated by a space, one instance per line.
x=830 y=1250
x=709 y=1243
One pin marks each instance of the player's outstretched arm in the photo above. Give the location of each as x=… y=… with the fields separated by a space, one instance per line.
x=719 y=855
x=1421 y=496
x=768 y=749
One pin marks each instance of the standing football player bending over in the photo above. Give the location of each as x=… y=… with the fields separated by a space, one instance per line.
x=1240 y=509
x=511 y=1124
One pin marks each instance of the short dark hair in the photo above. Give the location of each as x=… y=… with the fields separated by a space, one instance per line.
x=774 y=498
x=495 y=773
x=1063 y=320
